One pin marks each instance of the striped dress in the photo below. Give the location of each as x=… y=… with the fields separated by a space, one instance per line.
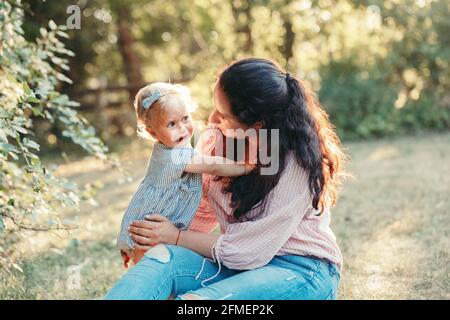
x=166 y=190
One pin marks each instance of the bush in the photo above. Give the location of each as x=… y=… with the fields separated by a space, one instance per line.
x=31 y=196
x=361 y=103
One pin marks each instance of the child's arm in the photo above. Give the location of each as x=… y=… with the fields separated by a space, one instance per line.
x=217 y=166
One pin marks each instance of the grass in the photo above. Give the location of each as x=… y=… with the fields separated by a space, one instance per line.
x=392 y=224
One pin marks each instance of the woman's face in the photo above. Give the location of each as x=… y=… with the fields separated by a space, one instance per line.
x=224 y=117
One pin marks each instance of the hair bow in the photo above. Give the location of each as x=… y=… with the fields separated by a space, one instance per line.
x=147 y=102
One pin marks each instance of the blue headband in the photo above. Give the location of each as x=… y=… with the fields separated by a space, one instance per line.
x=147 y=102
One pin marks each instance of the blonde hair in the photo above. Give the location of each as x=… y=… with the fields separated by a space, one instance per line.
x=172 y=95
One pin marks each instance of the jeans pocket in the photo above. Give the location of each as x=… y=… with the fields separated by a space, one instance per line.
x=334 y=272
x=302 y=281
x=304 y=265
x=335 y=278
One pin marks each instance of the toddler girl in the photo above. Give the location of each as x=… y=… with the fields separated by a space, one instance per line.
x=172 y=186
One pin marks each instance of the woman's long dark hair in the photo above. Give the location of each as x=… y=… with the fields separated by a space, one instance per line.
x=259 y=90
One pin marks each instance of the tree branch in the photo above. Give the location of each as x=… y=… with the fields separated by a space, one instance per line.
x=38 y=228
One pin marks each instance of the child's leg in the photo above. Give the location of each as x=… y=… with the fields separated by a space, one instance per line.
x=125 y=257
x=134 y=255
x=137 y=255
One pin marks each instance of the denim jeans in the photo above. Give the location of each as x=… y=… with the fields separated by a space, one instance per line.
x=167 y=270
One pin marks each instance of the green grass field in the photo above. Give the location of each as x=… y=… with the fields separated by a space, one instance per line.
x=392 y=224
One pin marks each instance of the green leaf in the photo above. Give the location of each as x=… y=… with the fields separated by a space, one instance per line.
x=37 y=111
x=36 y=162
x=62 y=77
x=62 y=34
x=14 y=156
x=17 y=267
x=43 y=32
x=73 y=104
x=34 y=100
x=26 y=89
x=3 y=136
x=31 y=144
x=6 y=147
x=2 y=224
x=52 y=25
x=20 y=129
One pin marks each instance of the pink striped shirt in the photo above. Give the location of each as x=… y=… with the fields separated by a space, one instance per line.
x=288 y=225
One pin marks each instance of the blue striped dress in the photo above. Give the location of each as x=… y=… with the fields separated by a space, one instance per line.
x=166 y=190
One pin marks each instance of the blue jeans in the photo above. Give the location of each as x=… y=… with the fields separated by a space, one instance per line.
x=177 y=271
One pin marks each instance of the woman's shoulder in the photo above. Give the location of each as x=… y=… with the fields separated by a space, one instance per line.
x=294 y=176
x=293 y=165
x=208 y=138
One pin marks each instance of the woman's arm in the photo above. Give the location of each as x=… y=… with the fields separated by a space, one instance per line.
x=217 y=166
x=157 y=229
x=198 y=242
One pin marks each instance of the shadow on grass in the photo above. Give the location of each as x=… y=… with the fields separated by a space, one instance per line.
x=83 y=270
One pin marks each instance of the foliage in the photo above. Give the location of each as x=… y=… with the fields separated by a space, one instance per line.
x=30 y=72
x=377 y=65
x=400 y=84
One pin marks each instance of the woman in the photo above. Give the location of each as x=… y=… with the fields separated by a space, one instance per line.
x=276 y=242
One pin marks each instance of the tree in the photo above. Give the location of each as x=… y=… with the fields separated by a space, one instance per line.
x=242 y=13
x=131 y=61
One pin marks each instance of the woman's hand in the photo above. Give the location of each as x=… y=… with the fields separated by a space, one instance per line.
x=153 y=230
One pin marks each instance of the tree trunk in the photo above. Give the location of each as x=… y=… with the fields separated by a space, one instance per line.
x=131 y=61
x=289 y=35
x=245 y=26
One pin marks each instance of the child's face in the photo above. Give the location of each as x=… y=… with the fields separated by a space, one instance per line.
x=174 y=127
